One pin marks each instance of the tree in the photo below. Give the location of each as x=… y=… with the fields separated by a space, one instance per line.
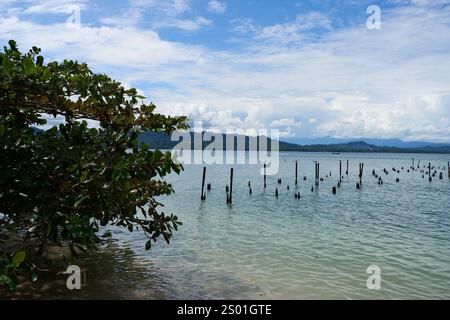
x=59 y=185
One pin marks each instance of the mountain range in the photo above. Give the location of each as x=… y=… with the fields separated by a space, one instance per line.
x=163 y=141
x=398 y=143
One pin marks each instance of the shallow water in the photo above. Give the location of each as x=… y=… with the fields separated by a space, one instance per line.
x=318 y=247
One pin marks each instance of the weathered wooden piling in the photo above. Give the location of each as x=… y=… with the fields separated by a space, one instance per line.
x=448 y=169
x=317 y=175
x=346 y=172
x=429 y=172
x=334 y=190
x=208 y=187
x=265 y=185
x=296 y=173
x=340 y=171
x=361 y=171
x=318 y=172
x=276 y=192
x=230 y=194
x=203 y=195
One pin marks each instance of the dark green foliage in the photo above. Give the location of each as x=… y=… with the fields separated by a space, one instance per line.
x=58 y=186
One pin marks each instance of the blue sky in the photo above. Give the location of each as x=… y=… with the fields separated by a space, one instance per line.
x=309 y=68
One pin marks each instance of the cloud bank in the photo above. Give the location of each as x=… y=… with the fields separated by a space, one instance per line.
x=308 y=76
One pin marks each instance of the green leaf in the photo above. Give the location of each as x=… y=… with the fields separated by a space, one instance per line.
x=84 y=176
x=157 y=155
x=45 y=75
x=40 y=60
x=8 y=281
x=116 y=174
x=19 y=257
x=33 y=276
x=12 y=45
x=7 y=65
x=28 y=66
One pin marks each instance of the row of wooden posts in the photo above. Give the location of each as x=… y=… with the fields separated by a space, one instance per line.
x=229 y=189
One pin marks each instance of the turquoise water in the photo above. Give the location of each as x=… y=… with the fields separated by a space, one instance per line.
x=317 y=247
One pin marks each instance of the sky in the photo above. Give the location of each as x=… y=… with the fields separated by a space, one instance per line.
x=308 y=68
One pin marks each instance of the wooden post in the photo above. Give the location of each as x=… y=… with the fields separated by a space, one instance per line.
x=429 y=171
x=346 y=172
x=231 y=186
x=340 y=171
x=265 y=185
x=361 y=171
x=296 y=172
x=448 y=169
x=317 y=173
x=412 y=163
x=203 y=195
x=230 y=195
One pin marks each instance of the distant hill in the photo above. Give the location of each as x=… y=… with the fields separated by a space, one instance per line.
x=376 y=142
x=163 y=141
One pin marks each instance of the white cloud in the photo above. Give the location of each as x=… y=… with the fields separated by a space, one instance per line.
x=285 y=122
x=185 y=24
x=159 y=15
x=54 y=6
x=350 y=82
x=217 y=6
x=284 y=33
x=293 y=31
